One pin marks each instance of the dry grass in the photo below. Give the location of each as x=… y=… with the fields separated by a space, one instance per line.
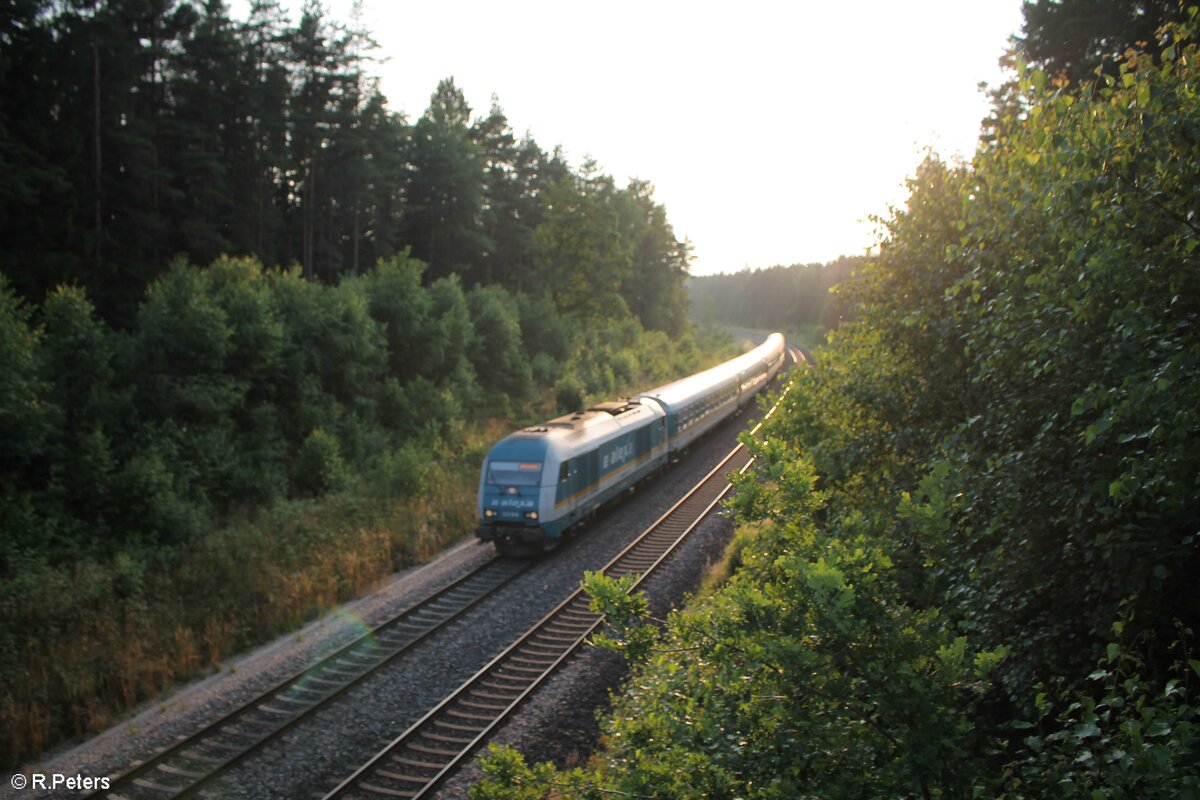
x=83 y=651
x=717 y=573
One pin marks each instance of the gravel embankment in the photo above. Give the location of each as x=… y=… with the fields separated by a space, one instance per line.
x=318 y=754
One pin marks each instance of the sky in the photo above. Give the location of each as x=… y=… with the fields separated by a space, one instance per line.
x=771 y=131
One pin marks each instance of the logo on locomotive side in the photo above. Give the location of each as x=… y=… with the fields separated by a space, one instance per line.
x=513 y=502
x=617 y=456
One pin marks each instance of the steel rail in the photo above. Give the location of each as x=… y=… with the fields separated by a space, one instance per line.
x=189 y=765
x=433 y=747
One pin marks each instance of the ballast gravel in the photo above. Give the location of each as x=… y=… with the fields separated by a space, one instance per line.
x=559 y=724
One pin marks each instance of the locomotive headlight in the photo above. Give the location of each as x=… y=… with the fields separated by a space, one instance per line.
x=530 y=515
x=489 y=513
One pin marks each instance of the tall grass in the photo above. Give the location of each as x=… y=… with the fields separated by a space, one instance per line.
x=86 y=645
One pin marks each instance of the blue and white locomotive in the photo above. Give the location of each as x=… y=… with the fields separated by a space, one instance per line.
x=540 y=481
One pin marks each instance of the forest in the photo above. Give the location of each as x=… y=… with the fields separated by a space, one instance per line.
x=136 y=132
x=258 y=331
x=965 y=562
x=800 y=299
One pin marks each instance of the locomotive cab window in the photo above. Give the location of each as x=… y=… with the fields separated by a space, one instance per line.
x=514 y=473
x=562 y=472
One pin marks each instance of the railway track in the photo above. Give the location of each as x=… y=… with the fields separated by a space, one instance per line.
x=432 y=748
x=192 y=764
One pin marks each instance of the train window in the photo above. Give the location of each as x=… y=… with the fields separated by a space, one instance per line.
x=562 y=472
x=514 y=473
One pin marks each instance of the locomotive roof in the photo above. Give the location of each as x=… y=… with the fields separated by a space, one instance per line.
x=581 y=420
x=596 y=424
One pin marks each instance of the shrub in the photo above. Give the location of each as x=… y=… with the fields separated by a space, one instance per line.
x=319 y=468
x=1123 y=735
x=399 y=473
x=569 y=394
x=544 y=369
x=496 y=351
x=24 y=418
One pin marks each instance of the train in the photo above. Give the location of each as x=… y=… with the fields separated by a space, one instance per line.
x=539 y=482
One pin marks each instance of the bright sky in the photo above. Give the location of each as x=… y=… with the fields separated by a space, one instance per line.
x=770 y=130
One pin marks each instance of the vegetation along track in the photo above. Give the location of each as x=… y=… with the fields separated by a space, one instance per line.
x=415 y=763
x=193 y=763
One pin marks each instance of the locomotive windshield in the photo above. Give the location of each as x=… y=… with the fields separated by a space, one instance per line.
x=514 y=473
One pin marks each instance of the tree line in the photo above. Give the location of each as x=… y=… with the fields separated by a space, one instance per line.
x=777 y=297
x=133 y=132
x=235 y=387
x=967 y=554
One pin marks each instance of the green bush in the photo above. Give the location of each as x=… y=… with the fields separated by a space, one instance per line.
x=446 y=357
x=569 y=394
x=496 y=351
x=400 y=473
x=1122 y=735
x=544 y=369
x=404 y=309
x=24 y=416
x=543 y=329
x=319 y=468
x=158 y=506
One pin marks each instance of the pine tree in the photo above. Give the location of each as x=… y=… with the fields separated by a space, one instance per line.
x=442 y=221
